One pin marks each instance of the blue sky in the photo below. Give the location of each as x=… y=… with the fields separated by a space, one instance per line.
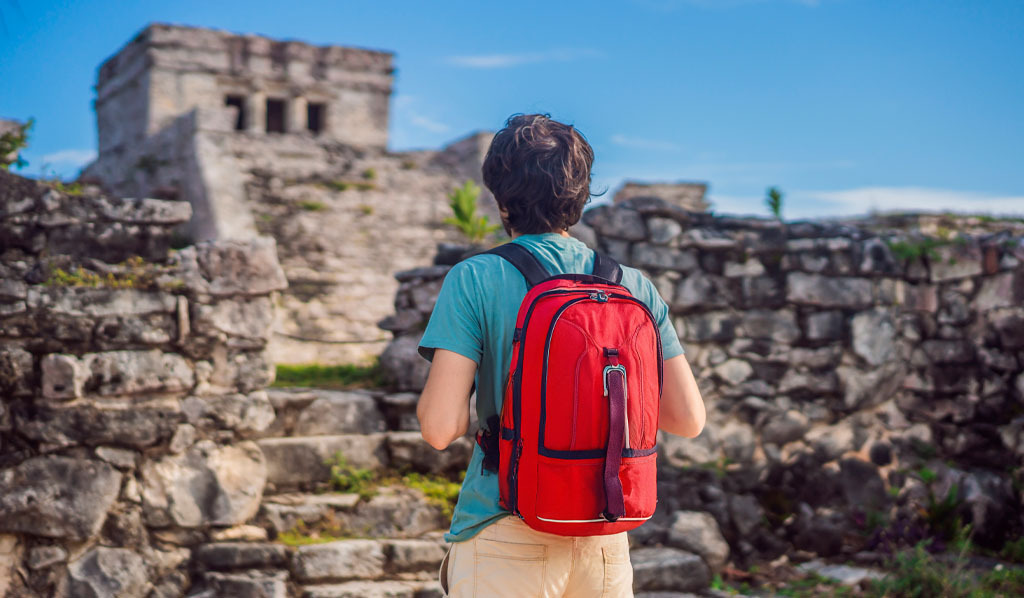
x=847 y=105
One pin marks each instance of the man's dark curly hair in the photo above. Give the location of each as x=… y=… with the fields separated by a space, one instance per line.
x=539 y=171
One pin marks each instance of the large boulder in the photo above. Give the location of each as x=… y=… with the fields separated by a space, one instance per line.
x=107 y=573
x=697 y=532
x=57 y=497
x=668 y=569
x=207 y=485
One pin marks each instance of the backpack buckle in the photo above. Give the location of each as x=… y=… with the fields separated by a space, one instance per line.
x=613 y=368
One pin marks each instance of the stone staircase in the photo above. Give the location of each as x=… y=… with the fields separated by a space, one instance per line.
x=309 y=541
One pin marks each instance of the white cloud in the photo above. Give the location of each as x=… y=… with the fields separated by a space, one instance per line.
x=405 y=108
x=863 y=200
x=645 y=144
x=499 y=61
x=885 y=199
x=428 y=123
x=69 y=157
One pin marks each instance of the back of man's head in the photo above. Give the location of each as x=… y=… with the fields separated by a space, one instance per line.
x=539 y=171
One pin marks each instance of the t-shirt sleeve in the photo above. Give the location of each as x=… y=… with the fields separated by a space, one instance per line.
x=455 y=323
x=670 y=345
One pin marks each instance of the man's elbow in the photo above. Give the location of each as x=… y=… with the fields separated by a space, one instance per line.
x=433 y=434
x=438 y=441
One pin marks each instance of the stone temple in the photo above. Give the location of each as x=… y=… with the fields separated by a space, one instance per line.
x=287 y=139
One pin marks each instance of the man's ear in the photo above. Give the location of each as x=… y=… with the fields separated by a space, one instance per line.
x=504 y=219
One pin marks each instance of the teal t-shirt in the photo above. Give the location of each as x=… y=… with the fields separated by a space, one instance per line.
x=475 y=316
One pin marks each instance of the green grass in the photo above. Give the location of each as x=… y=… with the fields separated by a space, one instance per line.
x=438 y=490
x=304 y=535
x=312 y=205
x=345 y=376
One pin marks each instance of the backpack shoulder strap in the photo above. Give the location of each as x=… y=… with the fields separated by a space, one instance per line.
x=607 y=268
x=524 y=261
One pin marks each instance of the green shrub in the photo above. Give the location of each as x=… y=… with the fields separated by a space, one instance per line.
x=463 y=202
x=773 y=199
x=369 y=174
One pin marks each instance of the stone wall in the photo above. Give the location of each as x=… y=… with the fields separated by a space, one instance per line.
x=856 y=374
x=131 y=379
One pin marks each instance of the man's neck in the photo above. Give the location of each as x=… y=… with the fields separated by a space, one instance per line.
x=563 y=233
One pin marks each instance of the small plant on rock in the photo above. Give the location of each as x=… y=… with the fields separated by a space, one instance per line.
x=463 y=202
x=347 y=478
x=773 y=200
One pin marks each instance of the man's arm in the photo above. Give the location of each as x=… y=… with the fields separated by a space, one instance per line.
x=682 y=408
x=443 y=408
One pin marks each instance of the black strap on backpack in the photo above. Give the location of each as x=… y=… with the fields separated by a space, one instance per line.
x=535 y=273
x=607 y=268
x=524 y=261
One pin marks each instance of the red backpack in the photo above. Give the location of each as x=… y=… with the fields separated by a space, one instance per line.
x=576 y=452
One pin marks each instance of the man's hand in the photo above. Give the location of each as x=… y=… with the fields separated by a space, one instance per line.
x=443 y=408
x=682 y=408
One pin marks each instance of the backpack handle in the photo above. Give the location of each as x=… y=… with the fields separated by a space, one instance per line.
x=534 y=272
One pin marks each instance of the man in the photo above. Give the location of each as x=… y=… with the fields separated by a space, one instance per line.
x=539 y=172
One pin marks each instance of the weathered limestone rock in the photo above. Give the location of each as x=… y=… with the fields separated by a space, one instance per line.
x=697 y=532
x=41 y=557
x=108 y=573
x=115 y=373
x=874 y=336
x=335 y=561
x=303 y=460
x=244 y=322
x=336 y=412
x=245 y=413
x=99 y=301
x=862 y=485
x=825 y=291
x=668 y=569
x=224 y=556
x=57 y=497
x=16 y=375
x=779 y=326
x=663 y=231
x=207 y=485
x=618 y=224
x=408 y=449
x=658 y=257
x=953 y=262
x=233 y=267
x=414 y=555
x=369 y=589
x=251 y=584
x=733 y=371
x=402 y=364
x=824 y=326
x=93 y=424
x=784 y=427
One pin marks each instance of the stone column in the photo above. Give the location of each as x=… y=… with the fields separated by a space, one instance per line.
x=257 y=108
x=297 y=115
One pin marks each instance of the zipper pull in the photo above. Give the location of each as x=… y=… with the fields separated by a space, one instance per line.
x=599 y=296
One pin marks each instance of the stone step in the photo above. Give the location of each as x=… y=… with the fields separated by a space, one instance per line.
x=303 y=462
x=346 y=560
x=374 y=589
x=316 y=411
x=392 y=511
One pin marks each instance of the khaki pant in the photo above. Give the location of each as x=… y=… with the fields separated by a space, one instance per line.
x=509 y=559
